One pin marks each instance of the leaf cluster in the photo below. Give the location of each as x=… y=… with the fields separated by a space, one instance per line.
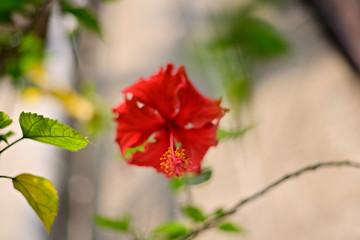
x=23 y=33
x=172 y=230
x=239 y=42
x=38 y=191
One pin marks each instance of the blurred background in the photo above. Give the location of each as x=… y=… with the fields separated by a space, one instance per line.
x=289 y=70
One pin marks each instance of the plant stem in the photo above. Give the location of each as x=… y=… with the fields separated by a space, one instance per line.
x=11 y=144
x=1 y=176
x=213 y=221
x=188 y=195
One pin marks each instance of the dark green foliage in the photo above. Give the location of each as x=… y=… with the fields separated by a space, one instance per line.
x=7 y=8
x=84 y=16
x=4 y=137
x=28 y=53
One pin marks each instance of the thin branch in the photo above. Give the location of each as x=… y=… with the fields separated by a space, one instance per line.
x=188 y=194
x=1 y=176
x=11 y=144
x=213 y=221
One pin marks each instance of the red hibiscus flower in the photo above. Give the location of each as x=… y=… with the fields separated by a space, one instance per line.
x=174 y=122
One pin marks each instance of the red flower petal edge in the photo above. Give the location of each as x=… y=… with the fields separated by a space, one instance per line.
x=179 y=120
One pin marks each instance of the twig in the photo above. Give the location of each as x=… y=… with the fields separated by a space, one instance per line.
x=11 y=144
x=2 y=176
x=213 y=221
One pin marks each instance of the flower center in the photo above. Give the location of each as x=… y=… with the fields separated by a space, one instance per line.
x=174 y=163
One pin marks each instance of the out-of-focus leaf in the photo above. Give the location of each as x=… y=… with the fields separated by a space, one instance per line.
x=254 y=36
x=176 y=183
x=84 y=16
x=9 y=7
x=230 y=227
x=121 y=225
x=40 y=194
x=196 y=179
x=28 y=55
x=100 y=120
x=239 y=89
x=5 y=16
x=46 y=130
x=223 y=134
x=219 y=211
x=5 y=120
x=32 y=51
x=76 y=105
x=4 y=137
x=193 y=213
x=169 y=231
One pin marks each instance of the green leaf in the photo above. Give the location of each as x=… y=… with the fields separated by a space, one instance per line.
x=129 y=152
x=196 y=179
x=169 y=231
x=219 y=212
x=121 y=225
x=4 y=137
x=256 y=37
x=46 y=130
x=5 y=120
x=84 y=16
x=259 y=39
x=176 y=183
x=223 y=134
x=194 y=213
x=230 y=227
x=7 y=8
x=238 y=89
x=40 y=194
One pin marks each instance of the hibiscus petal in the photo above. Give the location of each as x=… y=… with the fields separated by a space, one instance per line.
x=153 y=151
x=196 y=109
x=135 y=124
x=160 y=91
x=196 y=142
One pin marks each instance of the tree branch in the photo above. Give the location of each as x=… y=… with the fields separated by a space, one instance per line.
x=214 y=220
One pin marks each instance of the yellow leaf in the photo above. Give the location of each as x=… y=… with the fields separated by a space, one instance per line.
x=37 y=74
x=32 y=94
x=77 y=106
x=40 y=194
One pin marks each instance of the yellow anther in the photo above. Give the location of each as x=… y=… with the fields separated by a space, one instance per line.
x=174 y=163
